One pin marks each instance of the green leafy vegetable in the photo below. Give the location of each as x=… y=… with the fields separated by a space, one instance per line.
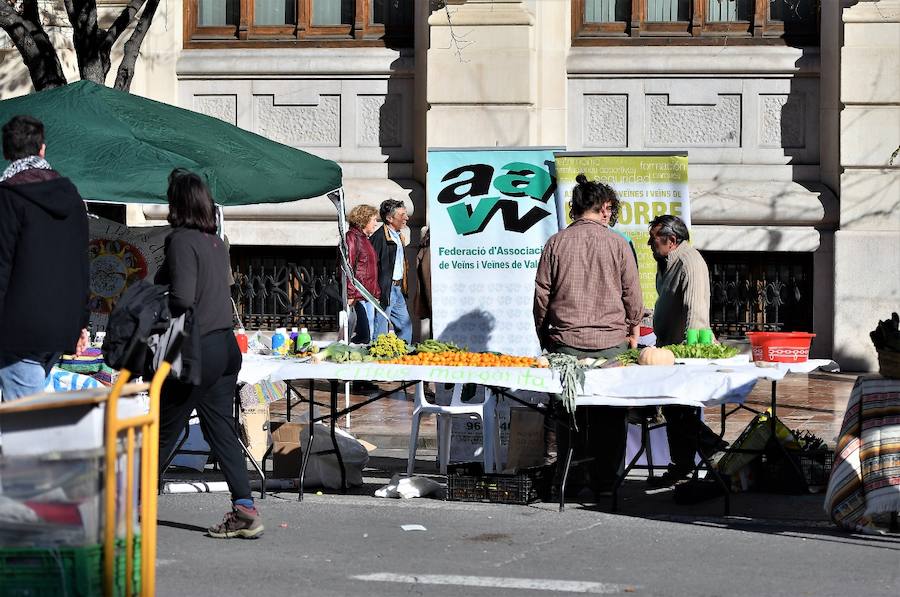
x=571 y=375
x=629 y=357
x=702 y=351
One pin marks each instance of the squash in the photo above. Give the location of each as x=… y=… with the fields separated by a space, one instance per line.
x=656 y=356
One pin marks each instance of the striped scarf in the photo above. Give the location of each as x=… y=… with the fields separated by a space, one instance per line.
x=27 y=163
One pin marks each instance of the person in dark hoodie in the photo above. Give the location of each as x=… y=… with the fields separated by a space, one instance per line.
x=44 y=270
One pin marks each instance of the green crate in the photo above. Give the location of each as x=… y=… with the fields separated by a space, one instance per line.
x=58 y=571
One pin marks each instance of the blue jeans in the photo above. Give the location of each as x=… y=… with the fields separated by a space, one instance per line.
x=24 y=376
x=361 y=322
x=399 y=315
x=370 y=317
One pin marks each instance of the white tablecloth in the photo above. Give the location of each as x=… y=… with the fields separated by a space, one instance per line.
x=693 y=383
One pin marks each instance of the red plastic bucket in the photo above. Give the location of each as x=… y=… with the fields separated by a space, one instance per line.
x=780 y=347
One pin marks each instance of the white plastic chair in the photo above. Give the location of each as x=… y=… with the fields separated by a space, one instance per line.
x=484 y=410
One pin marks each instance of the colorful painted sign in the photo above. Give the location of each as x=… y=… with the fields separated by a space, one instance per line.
x=120 y=256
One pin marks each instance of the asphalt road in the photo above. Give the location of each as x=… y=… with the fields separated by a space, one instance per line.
x=346 y=545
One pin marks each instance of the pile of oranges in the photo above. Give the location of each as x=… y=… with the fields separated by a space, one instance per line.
x=464 y=359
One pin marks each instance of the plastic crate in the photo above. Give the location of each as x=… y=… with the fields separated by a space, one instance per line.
x=54 y=571
x=780 y=475
x=467 y=484
x=780 y=347
x=816 y=466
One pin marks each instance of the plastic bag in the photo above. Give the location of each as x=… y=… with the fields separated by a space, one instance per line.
x=323 y=469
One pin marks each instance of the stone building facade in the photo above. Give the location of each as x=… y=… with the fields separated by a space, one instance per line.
x=790 y=112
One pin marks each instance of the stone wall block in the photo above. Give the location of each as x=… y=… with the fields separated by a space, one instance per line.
x=867 y=289
x=869 y=135
x=869 y=74
x=870 y=200
x=493 y=65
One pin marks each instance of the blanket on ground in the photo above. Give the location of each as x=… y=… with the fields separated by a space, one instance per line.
x=865 y=479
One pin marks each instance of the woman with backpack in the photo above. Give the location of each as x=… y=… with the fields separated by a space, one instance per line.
x=197 y=268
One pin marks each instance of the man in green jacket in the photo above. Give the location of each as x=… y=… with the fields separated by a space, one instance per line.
x=682 y=283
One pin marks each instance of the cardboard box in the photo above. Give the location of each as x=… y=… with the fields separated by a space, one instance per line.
x=286 y=452
x=526 y=439
x=255 y=429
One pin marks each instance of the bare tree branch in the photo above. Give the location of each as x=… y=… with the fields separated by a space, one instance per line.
x=93 y=64
x=93 y=44
x=8 y=15
x=33 y=44
x=133 y=46
x=122 y=21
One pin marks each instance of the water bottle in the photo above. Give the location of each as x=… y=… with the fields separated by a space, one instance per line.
x=294 y=335
x=303 y=338
x=278 y=338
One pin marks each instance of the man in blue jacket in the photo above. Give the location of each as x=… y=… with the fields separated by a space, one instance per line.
x=44 y=277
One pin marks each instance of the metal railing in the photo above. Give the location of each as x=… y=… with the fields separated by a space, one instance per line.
x=760 y=292
x=271 y=292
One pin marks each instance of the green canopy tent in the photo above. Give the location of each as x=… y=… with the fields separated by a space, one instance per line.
x=120 y=147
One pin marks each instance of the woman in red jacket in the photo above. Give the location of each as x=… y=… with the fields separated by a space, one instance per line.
x=363 y=221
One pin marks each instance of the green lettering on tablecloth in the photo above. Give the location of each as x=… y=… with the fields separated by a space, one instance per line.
x=439 y=373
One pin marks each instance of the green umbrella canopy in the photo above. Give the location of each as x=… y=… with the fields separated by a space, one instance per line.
x=120 y=147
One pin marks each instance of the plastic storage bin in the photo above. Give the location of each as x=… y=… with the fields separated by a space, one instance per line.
x=51 y=500
x=780 y=347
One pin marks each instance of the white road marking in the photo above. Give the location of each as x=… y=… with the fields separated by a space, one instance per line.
x=497 y=582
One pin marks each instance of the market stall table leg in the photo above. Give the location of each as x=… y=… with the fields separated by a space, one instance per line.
x=334 y=413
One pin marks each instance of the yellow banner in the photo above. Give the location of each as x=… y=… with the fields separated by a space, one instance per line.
x=647 y=185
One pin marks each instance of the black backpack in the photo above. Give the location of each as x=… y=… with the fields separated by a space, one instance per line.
x=142 y=310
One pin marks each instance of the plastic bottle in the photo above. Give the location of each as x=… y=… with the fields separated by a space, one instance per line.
x=242 y=340
x=294 y=334
x=278 y=338
x=303 y=338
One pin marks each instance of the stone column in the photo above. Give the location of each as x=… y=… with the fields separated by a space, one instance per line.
x=482 y=75
x=867 y=245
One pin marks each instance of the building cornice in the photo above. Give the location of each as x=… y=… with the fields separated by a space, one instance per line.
x=693 y=60
x=259 y=63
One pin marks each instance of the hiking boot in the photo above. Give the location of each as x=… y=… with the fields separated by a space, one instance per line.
x=240 y=522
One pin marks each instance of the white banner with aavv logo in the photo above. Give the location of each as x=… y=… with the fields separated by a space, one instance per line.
x=491 y=211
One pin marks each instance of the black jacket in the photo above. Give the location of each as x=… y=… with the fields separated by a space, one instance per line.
x=386 y=250
x=197 y=270
x=44 y=271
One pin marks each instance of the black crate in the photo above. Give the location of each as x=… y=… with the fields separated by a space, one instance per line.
x=466 y=483
x=781 y=475
x=816 y=466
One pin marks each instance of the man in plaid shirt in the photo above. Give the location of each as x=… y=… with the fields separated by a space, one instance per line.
x=587 y=303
